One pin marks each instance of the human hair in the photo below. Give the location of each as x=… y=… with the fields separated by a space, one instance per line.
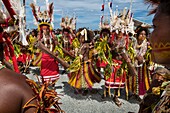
x=139 y=29
x=105 y=30
x=35 y=32
x=66 y=30
x=90 y=34
x=130 y=34
x=159 y=5
x=78 y=32
x=1 y=29
x=80 y=29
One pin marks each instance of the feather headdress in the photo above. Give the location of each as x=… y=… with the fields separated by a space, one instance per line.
x=17 y=12
x=122 y=21
x=68 y=23
x=2 y=17
x=104 y=24
x=43 y=18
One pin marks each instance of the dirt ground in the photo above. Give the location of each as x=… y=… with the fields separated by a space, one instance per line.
x=92 y=102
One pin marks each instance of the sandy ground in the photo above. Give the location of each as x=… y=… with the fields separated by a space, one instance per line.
x=92 y=102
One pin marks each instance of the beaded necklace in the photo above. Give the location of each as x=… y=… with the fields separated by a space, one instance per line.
x=45 y=42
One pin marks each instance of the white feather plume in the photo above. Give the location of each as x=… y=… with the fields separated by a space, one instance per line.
x=16 y=5
x=20 y=14
x=35 y=1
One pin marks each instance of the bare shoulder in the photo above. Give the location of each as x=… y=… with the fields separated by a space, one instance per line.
x=8 y=77
x=14 y=92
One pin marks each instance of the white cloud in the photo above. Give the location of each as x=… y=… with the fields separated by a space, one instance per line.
x=88 y=11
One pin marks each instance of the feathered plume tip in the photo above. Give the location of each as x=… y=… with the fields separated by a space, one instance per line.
x=122 y=21
x=105 y=25
x=34 y=11
x=43 y=18
x=50 y=12
x=68 y=23
x=32 y=6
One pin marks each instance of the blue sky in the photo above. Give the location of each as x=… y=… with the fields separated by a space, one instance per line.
x=88 y=12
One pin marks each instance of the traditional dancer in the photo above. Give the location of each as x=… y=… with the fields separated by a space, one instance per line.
x=118 y=60
x=82 y=72
x=141 y=83
x=68 y=28
x=9 y=50
x=49 y=67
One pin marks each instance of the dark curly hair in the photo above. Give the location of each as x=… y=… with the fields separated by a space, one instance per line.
x=1 y=29
x=139 y=29
x=105 y=30
x=90 y=34
x=66 y=30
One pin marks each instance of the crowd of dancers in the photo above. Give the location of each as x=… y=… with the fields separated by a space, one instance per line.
x=117 y=53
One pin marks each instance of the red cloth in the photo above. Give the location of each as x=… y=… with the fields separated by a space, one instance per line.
x=116 y=81
x=101 y=64
x=71 y=39
x=112 y=38
x=11 y=51
x=23 y=58
x=49 y=68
